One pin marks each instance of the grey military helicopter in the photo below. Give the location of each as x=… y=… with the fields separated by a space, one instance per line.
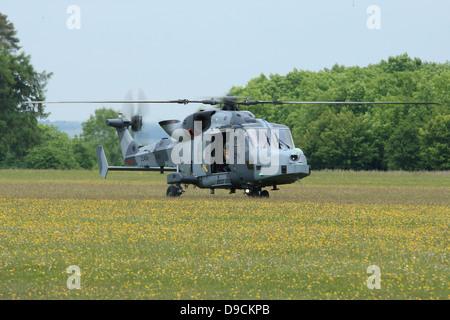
x=221 y=148
x=209 y=158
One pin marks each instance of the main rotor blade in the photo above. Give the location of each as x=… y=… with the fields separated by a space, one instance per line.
x=244 y=103
x=278 y=102
x=179 y=101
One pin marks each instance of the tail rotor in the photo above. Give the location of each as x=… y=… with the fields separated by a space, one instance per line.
x=136 y=112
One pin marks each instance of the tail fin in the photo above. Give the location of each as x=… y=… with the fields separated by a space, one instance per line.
x=127 y=143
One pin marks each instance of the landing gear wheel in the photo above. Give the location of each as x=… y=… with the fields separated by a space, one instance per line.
x=173 y=191
x=257 y=192
x=264 y=194
x=251 y=193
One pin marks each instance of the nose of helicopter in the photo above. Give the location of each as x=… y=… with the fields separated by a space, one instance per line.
x=286 y=166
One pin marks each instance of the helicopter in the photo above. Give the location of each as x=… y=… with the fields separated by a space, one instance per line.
x=219 y=148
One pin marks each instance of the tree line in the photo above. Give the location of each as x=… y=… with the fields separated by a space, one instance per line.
x=359 y=137
x=363 y=137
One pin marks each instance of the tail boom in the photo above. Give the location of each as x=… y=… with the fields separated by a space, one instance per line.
x=104 y=167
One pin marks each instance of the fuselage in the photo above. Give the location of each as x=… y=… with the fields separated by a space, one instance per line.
x=225 y=149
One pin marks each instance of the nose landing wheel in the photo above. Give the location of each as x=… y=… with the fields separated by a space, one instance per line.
x=174 y=191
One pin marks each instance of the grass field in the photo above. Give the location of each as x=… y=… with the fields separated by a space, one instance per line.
x=313 y=241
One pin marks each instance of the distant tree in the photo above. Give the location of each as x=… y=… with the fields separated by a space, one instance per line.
x=441 y=86
x=402 y=148
x=96 y=132
x=54 y=152
x=18 y=82
x=401 y=63
x=337 y=141
x=82 y=153
x=435 y=143
x=8 y=39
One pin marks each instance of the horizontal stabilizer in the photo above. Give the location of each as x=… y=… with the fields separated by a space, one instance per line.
x=104 y=167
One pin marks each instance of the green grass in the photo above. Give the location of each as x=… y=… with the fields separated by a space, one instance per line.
x=380 y=178
x=323 y=177
x=313 y=241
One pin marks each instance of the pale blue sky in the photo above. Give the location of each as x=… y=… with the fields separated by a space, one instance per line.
x=198 y=49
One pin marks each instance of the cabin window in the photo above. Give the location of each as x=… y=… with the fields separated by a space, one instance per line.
x=258 y=138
